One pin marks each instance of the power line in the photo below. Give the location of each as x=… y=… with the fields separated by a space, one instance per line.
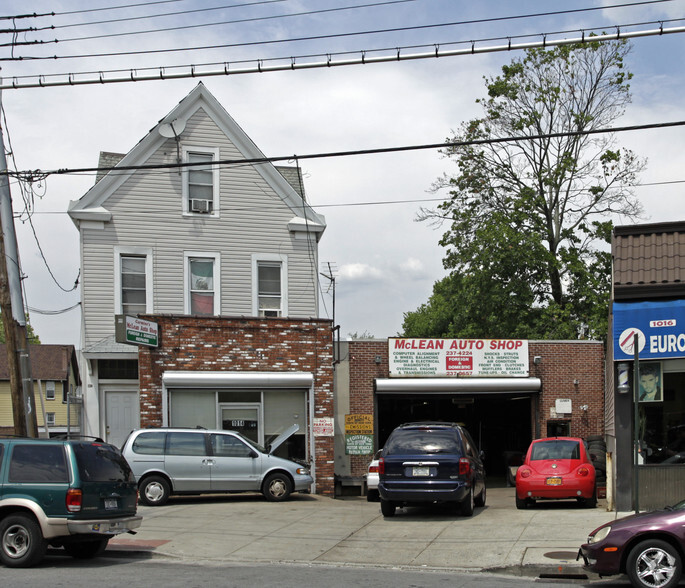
x=213 y=8
x=32 y=175
x=194 y=71
x=299 y=39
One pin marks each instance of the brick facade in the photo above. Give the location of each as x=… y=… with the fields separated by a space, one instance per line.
x=561 y=364
x=243 y=344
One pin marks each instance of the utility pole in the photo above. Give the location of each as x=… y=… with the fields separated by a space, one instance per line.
x=13 y=313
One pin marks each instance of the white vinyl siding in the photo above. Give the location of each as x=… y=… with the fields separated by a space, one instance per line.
x=147 y=214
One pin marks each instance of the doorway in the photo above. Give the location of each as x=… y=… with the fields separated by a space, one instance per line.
x=245 y=418
x=122 y=415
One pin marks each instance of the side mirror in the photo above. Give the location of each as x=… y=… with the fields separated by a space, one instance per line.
x=254 y=454
x=481 y=453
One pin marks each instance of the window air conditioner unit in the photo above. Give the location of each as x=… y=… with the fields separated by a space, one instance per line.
x=198 y=205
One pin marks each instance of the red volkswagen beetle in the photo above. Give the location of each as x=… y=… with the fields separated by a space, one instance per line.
x=556 y=468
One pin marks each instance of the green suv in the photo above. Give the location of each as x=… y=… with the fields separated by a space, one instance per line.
x=73 y=494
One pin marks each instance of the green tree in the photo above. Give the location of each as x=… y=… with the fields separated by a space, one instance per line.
x=529 y=219
x=32 y=337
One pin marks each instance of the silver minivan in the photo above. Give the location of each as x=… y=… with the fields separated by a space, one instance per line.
x=198 y=461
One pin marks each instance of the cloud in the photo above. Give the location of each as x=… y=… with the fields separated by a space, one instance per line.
x=360 y=272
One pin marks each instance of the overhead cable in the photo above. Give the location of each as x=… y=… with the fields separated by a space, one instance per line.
x=225 y=69
x=331 y=154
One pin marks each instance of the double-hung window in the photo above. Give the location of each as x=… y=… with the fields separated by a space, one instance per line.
x=50 y=390
x=200 y=181
x=202 y=279
x=269 y=298
x=133 y=280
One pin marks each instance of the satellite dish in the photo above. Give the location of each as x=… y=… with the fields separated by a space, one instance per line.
x=171 y=129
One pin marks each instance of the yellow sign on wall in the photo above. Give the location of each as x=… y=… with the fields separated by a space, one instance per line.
x=359 y=424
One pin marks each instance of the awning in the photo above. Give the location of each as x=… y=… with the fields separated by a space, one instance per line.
x=456 y=385
x=187 y=379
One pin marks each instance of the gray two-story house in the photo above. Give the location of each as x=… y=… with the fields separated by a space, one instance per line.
x=195 y=231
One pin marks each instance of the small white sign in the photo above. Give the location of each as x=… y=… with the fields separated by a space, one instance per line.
x=323 y=427
x=563 y=405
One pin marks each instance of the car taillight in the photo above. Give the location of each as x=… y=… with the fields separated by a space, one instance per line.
x=464 y=466
x=381 y=466
x=74 y=499
x=583 y=471
x=373 y=469
x=524 y=472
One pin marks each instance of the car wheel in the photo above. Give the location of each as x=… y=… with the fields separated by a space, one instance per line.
x=154 y=491
x=387 y=508
x=654 y=564
x=86 y=549
x=480 y=499
x=467 y=504
x=372 y=496
x=590 y=502
x=521 y=503
x=277 y=487
x=21 y=541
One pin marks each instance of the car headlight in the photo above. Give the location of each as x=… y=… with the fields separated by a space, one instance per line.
x=599 y=535
x=303 y=471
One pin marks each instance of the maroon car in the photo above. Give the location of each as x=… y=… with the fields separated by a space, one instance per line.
x=649 y=547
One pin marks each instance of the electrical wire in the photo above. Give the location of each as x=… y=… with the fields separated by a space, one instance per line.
x=28 y=203
x=310 y=38
x=348 y=153
x=292 y=64
x=225 y=7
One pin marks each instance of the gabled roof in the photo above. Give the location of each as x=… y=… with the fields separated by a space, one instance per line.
x=48 y=362
x=92 y=206
x=649 y=261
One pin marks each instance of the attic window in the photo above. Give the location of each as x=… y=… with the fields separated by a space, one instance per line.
x=200 y=181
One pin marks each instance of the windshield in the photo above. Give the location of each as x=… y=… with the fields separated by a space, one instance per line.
x=250 y=442
x=557 y=449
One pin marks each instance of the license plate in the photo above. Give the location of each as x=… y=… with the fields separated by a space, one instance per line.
x=553 y=481
x=420 y=472
x=110 y=503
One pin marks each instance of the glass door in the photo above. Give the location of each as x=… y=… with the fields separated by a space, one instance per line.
x=244 y=418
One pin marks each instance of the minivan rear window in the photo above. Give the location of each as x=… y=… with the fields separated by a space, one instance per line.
x=422 y=441
x=38 y=464
x=101 y=463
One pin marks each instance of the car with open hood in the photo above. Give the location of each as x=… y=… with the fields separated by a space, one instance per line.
x=168 y=461
x=649 y=547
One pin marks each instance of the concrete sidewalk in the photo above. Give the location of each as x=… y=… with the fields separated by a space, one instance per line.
x=350 y=531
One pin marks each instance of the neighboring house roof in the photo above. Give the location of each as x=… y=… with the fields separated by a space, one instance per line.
x=48 y=362
x=110 y=345
x=649 y=261
x=92 y=206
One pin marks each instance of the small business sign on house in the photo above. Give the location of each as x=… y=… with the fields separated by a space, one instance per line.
x=135 y=331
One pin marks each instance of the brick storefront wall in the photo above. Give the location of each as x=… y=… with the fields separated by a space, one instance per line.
x=243 y=344
x=561 y=363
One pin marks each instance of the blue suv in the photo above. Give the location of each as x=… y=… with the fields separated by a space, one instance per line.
x=431 y=463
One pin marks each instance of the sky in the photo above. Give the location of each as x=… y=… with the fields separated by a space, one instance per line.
x=385 y=262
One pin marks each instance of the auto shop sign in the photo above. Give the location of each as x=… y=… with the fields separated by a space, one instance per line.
x=458 y=357
x=659 y=326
